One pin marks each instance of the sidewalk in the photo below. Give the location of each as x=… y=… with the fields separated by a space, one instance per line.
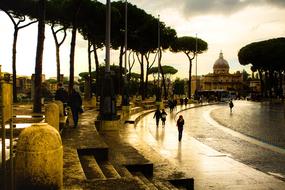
x=143 y=147
x=210 y=168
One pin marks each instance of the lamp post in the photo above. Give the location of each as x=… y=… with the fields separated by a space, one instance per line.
x=108 y=99
x=158 y=93
x=196 y=56
x=125 y=101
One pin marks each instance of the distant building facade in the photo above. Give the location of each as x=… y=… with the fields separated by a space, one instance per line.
x=23 y=84
x=221 y=79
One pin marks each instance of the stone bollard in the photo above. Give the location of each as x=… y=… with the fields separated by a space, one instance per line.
x=93 y=102
x=39 y=158
x=52 y=115
x=60 y=106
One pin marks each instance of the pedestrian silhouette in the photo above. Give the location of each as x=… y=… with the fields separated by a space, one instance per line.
x=180 y=124
x=174 y=104
x=186 y=101
x=61 y=95
x=231 y=105
x=157 y=116
x=163 y=117
x=181 y=101
x=75 y=103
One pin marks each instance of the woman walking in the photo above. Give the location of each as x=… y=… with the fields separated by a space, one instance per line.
x=231 y=105
x=75 y=103
x=163 y=117
x=180 y=123
x=157 y=116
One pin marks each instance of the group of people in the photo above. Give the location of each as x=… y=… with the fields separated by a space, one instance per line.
x=183 y=101
x=73 y=100
x=172 y=104
x=162 y=115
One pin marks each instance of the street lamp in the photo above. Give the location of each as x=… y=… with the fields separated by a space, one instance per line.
x=108 y=99
x=196 y=56
x=158 y=93
x=125 y=101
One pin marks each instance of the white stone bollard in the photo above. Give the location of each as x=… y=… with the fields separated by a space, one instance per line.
x=52 y=115
x=39 y=158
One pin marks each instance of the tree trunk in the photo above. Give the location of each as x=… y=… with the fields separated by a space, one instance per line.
x=97 y=69
x=142 y=78
x=37 y=106
x=72 y=46
x=89 y=70
x=72 y=55
x=261 y=82
x=120 y=86
x=162 y=74
x=57 y=49
x=57 y=63
x=14 y=49
x=190 y=78
x=14 y=52
x=146 y=78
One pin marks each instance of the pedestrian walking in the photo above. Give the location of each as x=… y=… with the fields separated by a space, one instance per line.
x=75 y=103
x=157 y=116
x=175 y=104
x=170 y=105
x=61 y=95
x=186 y=101
x=231 y=105
x=163 y=117
x=180 y=123
x=181 y=101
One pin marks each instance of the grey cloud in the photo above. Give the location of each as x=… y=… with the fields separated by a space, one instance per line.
x=224 y=7
x=192 y=8
x=276 y=2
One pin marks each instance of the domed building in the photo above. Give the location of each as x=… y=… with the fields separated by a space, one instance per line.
x=221 y=66
x=221 y=79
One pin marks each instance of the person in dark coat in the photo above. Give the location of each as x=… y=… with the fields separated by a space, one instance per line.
x=157 y=116
x=75 y=103
x=175 y=104
x=180 y=124
x=181 y=101
x=163 y=117
x=231 y=105
x=186 y=101
x=61 y=95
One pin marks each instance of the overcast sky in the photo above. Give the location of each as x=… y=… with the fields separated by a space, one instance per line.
x=226 y=25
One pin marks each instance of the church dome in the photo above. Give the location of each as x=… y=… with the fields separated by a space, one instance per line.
x=221 y=65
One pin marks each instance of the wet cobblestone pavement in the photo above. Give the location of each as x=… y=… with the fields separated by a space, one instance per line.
x=212 y=169
x=214 y=158
x=262 y=120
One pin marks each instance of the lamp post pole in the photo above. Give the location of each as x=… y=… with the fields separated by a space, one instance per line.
x=108 y=99
x=108 y=36
x=125 y=101
x=196 y=56
x=158 y=95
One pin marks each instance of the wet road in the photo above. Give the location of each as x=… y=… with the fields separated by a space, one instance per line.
x=250 y=132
